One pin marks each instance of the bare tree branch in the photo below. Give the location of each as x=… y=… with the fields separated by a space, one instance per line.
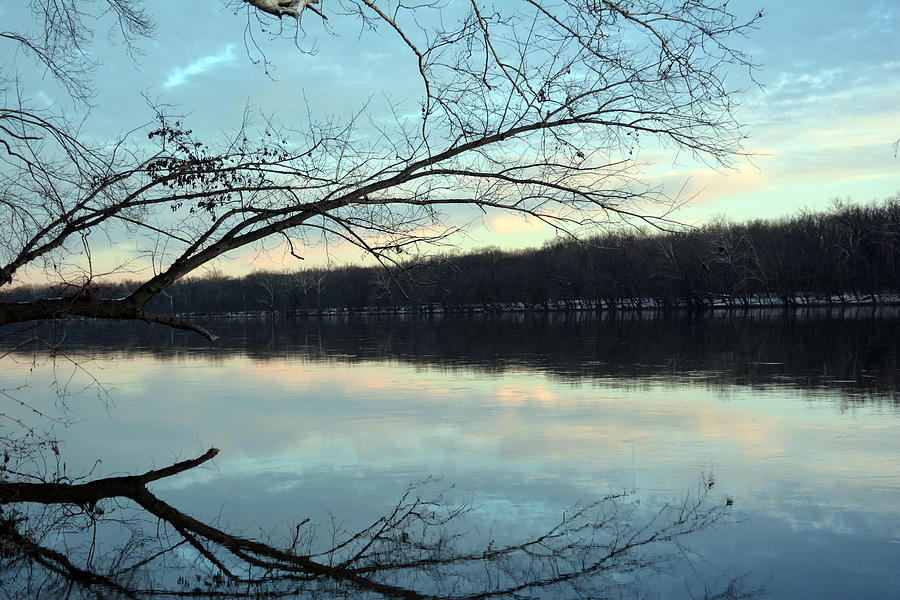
x=535 y=109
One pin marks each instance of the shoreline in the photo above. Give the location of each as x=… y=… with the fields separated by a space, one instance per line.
x=579 y=307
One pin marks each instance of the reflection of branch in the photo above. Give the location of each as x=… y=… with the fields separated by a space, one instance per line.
x=94 y=491
x=58 y=562
x=387 y=558
x=133 y=488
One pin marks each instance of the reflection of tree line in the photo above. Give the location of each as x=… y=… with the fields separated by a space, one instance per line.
x=848 y=254
x=855 y=350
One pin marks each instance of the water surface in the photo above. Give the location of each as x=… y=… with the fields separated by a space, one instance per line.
x=794 y=417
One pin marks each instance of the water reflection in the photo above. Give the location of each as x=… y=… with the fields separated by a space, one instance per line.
x=795 y=419
x=855 y=350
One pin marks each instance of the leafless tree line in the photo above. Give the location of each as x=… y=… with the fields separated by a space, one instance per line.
x=850 y=254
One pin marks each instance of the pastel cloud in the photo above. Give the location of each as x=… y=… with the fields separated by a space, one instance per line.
x=512 y=223
x=180 y=75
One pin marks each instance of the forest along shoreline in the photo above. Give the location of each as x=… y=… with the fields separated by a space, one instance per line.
x=849 y=255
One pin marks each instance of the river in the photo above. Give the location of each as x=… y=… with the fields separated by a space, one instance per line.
x=793 y=419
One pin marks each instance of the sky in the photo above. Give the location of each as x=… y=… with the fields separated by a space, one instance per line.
x=822 y=123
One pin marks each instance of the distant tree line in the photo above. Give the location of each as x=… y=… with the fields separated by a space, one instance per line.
x=847 y=254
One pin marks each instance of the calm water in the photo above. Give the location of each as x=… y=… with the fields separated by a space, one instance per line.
x=797 y=419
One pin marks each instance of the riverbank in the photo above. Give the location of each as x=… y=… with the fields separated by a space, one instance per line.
x=580 y=305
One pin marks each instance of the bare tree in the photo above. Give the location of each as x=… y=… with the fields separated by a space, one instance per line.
x=62 y=45
x=534 y=113
x=536 y=110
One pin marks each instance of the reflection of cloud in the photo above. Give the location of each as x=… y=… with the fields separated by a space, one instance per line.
x=203 y=64
x=283 y=415
x=516 y=395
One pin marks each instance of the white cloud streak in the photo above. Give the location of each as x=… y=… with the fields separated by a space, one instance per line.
x=202 y=65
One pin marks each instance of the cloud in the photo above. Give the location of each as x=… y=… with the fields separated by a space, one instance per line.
x=506 y=223
x=180 y=75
